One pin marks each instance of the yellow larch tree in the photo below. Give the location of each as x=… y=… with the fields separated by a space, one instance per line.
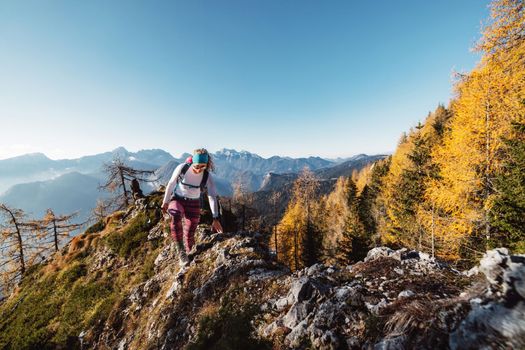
x=299 y=237
x=488 y=100
x=343 y=229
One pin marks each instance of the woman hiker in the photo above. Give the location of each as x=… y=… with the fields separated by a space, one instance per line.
x=182 y=199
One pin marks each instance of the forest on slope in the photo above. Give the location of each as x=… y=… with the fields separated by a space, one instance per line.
x=455 y=185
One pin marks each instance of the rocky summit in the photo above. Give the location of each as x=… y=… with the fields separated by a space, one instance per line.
x=120 y=286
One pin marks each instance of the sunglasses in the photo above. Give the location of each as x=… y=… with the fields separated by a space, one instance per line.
x=200 y=166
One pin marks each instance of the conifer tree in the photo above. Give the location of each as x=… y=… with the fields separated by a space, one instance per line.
x=299 y=239
x=274 y=199
x=13 y=235
x=311 y=242
x=354 y=243
x=243 y=202
x=408 y=214
x=364 y=207
x=405 y=188
x=506 y=30
x=439 y=121
x=344 y=234
x=288 y=229
x=19 y=245
x=305 y=192
x=58 y=227
x=119 y=177
x=371 y=204
x=488 y=100
x=102 y=209
x=508 y=214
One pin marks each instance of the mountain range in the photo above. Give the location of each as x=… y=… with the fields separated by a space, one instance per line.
x=38 y=167
x=34 y=182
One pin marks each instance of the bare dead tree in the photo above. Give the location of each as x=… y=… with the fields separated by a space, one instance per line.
x=101 y=210
x=14 y=231
x=275 y=197
x=119 y=176
x=58 y=227
x=243 y=200
x=19 y=246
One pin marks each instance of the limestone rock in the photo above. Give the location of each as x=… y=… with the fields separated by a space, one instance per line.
x=378 y=252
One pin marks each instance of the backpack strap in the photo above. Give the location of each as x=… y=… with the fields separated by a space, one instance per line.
x=183 y=171
x=204 y=180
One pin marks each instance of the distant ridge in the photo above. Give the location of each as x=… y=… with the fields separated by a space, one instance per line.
x=36 y=182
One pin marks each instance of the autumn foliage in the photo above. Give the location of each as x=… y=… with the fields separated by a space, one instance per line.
x=454 y=186
x=447 y=174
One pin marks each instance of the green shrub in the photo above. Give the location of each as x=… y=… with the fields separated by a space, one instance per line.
x=229 y=327
x=102 y=310
x=97 y=227
x=373 y=327
x=24 y=322
x=52 y=311
x=148 y=267
x=518 y=248
x=132 y=236
x=73 y=273
x=77 y=309
x=31 y=275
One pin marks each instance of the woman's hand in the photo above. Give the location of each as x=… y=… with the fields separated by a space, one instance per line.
x=216 y=225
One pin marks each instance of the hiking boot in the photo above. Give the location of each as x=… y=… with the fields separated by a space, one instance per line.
x=183 y=258
x=181 y=252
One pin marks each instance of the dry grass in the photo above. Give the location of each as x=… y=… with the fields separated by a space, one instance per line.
x=209 y=309
x=416 y=315
x=77 y=248
x=383 y=267
x=115 y=218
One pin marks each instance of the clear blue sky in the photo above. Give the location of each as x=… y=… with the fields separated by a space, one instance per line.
x=274 y=77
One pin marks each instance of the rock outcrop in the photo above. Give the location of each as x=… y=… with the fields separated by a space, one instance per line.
x=393 y=300
x=131 y=293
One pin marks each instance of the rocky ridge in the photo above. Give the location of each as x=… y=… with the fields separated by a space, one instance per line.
x=233 y=294
x=391 y=300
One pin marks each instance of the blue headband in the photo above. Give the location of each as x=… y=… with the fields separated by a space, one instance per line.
x=200 y=158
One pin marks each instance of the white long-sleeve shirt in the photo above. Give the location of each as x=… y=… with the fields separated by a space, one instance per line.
x=193 y=179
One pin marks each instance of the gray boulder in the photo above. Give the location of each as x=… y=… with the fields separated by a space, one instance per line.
x=498 y=317
x=378 y=252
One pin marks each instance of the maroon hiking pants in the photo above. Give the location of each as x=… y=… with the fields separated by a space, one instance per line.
x=190 y=210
